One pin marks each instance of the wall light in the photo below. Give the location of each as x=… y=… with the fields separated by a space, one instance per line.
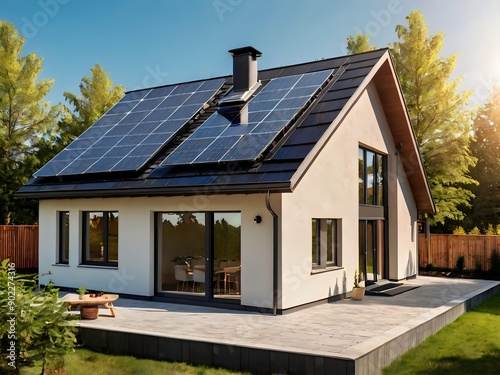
x=258 y=219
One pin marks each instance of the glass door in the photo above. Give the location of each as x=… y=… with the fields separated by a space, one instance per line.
x=371 y=249
x=198 y=255
x=226 y=259
x=181 y=253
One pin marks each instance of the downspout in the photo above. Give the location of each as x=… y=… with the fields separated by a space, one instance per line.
x=275 y=253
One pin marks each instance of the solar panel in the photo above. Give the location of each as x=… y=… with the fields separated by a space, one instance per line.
x=245 y=133
x=133 y=130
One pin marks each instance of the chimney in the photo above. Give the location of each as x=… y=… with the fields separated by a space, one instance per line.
x=244 y=75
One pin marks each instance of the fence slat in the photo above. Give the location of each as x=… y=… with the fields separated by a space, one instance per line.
x=444 y=250
x=19 y=243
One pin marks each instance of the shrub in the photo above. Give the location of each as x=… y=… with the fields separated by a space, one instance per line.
x=459 y=230
x=490 y=230
x=460 y=264
x=478 y=267
x=429 y=267
x=475 y=230
x=495 y=263
x=42 y=329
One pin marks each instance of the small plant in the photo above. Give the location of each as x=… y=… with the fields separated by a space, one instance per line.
x=495 y=263
x=358 y=277
x=429 y=267
x=475 y=231
x=82 y=289
x=459 y=230
x=460 y=264
x=478 y=268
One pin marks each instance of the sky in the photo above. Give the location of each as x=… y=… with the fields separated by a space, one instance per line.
x=146 y=43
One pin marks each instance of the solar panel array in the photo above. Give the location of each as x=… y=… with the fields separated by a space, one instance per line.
x=133 y=130
x=230 y=135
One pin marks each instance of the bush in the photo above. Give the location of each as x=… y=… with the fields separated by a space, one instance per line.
x=459 y=230
x=429 y=267
x=475 y=230
x=460 y=264
x=490 y=230
x=478 y=268
x=33 y=326
x=495 y=263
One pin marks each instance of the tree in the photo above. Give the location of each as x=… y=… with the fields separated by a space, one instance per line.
x=359 y=43
x=438 y=114
x=98 y=95
x=486 y=148
x=24 y=116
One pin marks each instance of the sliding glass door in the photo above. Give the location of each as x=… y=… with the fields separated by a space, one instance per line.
x=198 y=255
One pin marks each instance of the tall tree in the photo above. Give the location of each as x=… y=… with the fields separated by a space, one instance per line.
x=98 y=95
x=486 y=148
x=359 y=43
x=24 y=116
x=438 y=114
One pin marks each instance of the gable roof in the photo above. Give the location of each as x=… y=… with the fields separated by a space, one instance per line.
x=283 y=160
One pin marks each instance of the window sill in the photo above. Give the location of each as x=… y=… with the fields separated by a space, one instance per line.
x=99 y=266
x=316 y=271
x=61 y=265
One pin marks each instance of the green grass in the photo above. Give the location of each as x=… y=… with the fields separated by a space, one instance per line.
x=84 y=362
x=469 y=345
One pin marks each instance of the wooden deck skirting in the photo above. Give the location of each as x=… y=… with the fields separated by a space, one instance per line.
x=19 y=243
x=445 y=249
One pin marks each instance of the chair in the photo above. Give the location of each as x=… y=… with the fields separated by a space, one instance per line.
x=182 y=274
x=233 y=277
x=198 y=276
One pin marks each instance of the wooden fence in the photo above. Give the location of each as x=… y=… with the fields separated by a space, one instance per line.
x=19 y=243
x=444 y=250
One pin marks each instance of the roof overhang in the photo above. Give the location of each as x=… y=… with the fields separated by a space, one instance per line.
x=93 y=191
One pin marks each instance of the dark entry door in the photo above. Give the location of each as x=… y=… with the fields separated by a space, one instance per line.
x=371 y=249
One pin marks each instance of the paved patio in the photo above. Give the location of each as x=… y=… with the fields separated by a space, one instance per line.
x=352 y=337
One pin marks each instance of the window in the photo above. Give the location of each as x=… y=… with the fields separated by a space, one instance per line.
x=63 y=237
x=371 y=171
x=326 y=242
x=100 y=238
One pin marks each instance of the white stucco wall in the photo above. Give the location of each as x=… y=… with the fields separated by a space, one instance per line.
x=329 y=189
x=135 y=272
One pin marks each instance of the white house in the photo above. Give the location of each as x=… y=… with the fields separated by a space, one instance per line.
x=262 y=190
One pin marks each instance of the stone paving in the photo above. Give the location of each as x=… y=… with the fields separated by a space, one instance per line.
x=346 y=329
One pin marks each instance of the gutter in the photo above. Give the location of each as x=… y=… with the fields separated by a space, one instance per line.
x=275 y=253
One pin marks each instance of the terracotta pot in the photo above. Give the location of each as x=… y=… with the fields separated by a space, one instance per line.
x=358 y=293
x=89 y=312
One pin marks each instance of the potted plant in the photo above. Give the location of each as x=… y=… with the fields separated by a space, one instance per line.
x=81 y=291
x=358 y=292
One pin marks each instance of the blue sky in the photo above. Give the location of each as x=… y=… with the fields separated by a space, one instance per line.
x=152 y=42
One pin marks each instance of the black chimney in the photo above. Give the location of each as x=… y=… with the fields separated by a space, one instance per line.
x=244 y=75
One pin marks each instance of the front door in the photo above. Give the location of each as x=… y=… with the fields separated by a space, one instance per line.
x=371 y=250
x=198 y=255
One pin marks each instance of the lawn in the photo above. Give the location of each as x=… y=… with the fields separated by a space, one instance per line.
x=84 y=362
x=469 y=345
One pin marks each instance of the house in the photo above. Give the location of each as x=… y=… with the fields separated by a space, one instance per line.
x=261 y=190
